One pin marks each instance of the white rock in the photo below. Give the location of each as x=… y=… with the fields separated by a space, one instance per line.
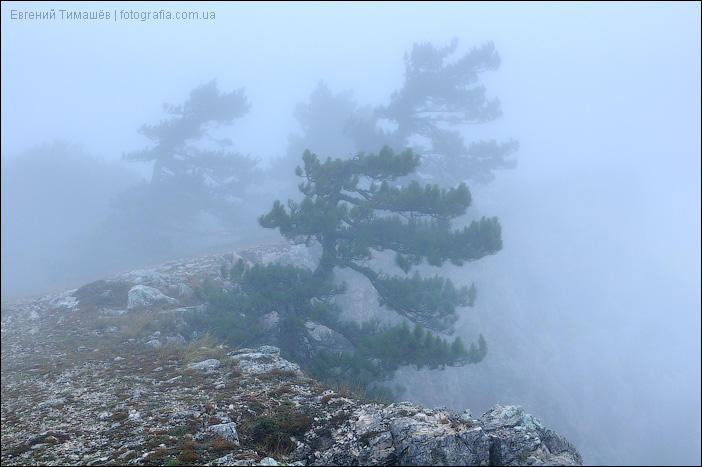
x=143 y=296
x=226 y=431
x=155 y=343
x=184 y=290
x=52 y=403
x=270 y=320
x=208 y=365
x=65 y=301
x=262 y=360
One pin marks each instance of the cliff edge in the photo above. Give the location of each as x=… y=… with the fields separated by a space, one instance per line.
x=107 y=374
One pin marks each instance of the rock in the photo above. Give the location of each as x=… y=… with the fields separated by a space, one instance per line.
x=262 y=360
x=47 y=437
x=65 y=301
x=208 y=365
x=95 y=461
x=175 y=340
x=516 y=435
x=466 y=416
x=184 y=290
x=111 y=312
x=225 y=431
x=126 y=454
x=52 y=403
x=270 y=321
x=141 y=296
x=322 y=337
x=155 y=343
x=36 y=439
x=359 y=302
x=181 y=415
x=149 y=277
x=335 y=429
x=297 y=255
x=224 y=460
x=405 y=434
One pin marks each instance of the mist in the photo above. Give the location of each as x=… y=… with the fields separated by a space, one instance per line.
x=591 y=308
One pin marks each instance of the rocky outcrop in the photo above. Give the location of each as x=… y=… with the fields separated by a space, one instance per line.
x=141 y=296
x=265 y=359
x=226 y=431
x=406 y=434
x=322 y=337
x=88 y=388
x=208 y=366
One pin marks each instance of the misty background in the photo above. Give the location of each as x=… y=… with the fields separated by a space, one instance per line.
x=591 y=309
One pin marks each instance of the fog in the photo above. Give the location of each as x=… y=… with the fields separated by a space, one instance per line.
x=590 y=310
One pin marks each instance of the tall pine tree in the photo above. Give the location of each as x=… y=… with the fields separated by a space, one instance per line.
x=353 y=209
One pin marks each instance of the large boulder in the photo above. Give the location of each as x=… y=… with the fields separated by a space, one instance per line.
x=226 y=431
x=262 y=360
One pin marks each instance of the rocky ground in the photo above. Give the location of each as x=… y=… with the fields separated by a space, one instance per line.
x=107 y=375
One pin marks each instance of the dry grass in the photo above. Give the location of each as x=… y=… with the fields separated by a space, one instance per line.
x=222 y=445
x=272 y=433
x=188 y=454
x=158 y=454
x=120 y=415
x=135 y=324
x=204 y=348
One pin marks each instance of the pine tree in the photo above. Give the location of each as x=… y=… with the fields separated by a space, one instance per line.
x=352 y=208
x=197 y=184
x=440 y=99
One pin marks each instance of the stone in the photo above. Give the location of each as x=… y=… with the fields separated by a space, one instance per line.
x=52 y=403
x=65 y=301
x=47 y=437
x=224 y=460
x=322 y=337
x=141 y=296
x=270 y=321
x=208 y=366
x=175 y=340
x=225 y=431
x=406 y=434
x=262 y=360
x=184 y=290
